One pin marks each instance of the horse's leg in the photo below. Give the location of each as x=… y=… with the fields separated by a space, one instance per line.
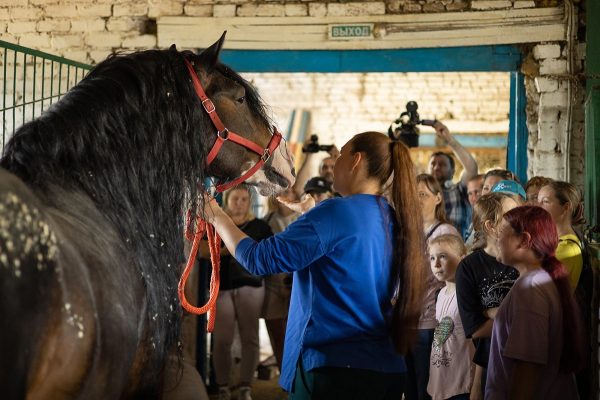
x=182 y=381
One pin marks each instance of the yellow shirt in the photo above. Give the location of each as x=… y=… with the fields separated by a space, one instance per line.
x=569 y=253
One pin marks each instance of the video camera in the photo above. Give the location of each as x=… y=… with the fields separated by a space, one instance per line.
x=314 y=147
x=406 y=125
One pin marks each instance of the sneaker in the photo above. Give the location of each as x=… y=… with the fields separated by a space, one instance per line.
x=244 y=393
x=224 y=393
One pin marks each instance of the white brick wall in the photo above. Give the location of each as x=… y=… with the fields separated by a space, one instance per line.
x=106 y=40
x=26 y=13
x=356 y=8
x=67 y=42
x=94 y=10
x=224 y=10
x=61 y=11
x=198 y=10
x=129 y=25
x=490 y=4
x=542 y=51
x=164 y=7
x=21 y=27
x=140 y=42
x=548 y=96
x=317 y=9
x=53 y=25
x=132 y=9
x=551 y=66
x=296 y=10
x=88 y=25
x=35 y=40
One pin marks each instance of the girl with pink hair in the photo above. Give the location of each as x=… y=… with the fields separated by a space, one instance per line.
x=537 y=339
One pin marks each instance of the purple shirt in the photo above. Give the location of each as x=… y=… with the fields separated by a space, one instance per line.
x=528 y=327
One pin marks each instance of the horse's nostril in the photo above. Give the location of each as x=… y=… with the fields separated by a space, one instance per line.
x=293 y=172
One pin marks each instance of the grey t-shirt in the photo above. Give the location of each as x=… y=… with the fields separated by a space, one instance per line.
x=528 y=327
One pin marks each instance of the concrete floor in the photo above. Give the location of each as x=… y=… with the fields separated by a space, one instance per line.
x=263 y=390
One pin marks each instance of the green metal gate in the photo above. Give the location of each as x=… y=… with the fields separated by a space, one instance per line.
x=31 y=81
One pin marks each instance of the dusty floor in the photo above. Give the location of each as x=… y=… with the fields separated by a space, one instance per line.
x=263 y=390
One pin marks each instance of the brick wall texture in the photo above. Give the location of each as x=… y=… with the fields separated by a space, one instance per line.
x=89 y=30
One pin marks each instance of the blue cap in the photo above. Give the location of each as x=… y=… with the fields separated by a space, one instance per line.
x=510 y=187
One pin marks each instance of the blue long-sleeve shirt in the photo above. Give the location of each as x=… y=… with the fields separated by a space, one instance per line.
x=340 y=311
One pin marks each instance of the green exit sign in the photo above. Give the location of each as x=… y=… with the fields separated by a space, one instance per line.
x=350 y=31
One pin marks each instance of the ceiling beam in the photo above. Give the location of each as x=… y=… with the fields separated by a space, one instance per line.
x=385 y=31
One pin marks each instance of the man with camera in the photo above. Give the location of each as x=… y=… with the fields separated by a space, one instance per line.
x=441 y=167
x=310 y=150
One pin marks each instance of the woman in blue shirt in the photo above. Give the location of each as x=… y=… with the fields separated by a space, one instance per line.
x=356 y=292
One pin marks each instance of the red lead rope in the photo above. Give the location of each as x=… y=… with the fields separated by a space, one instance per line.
x=214 y=245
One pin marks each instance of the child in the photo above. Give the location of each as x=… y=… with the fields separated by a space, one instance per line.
x=537 y=340
x=450 y=372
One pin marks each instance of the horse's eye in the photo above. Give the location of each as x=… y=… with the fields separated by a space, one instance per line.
x=241 y=99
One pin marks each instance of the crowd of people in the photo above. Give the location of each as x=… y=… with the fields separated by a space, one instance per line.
x=480 y=295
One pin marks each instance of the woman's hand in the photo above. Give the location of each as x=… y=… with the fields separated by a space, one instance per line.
x=212 y=210
x=229 y=232
x=302 y=206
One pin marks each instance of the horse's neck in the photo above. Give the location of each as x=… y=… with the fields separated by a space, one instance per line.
x=153 y=234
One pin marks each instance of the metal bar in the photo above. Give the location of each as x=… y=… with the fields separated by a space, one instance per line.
x=68 y=77
x=43 y=82
x=34 y=76
x=59 y=78
x=24 y=83
x=51 y=80
x=516 y=151
x=14 y=91
x=4 y=99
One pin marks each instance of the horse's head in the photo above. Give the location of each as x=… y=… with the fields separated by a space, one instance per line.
x=239 y=107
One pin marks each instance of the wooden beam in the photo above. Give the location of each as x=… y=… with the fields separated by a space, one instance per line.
x=389 y=31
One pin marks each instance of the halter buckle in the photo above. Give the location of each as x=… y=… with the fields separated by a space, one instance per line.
x=266 y=155
x=224 y=134
x=208 y=105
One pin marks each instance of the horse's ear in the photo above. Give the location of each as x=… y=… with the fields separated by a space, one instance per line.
x=173 y=48
x=210 y=56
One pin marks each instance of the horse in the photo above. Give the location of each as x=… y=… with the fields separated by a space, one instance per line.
x=93 y=195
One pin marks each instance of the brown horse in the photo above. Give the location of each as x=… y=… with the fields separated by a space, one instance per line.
x=92 y=199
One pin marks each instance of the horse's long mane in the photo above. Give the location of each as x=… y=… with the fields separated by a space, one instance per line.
x=133 y=137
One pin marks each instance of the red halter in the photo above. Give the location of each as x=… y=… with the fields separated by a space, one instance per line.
x=214 y=241
x=224 y=134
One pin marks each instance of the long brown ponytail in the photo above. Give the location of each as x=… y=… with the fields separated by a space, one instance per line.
x=388 y=160
x=409 y=251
